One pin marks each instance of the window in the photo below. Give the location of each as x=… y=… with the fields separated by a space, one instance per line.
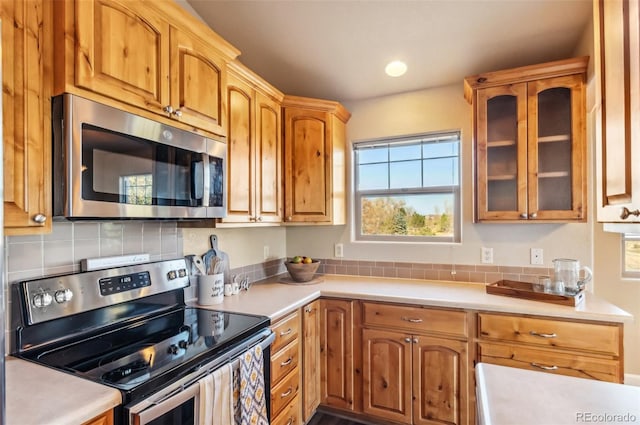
x=631 y=255
x=136 y=189
x=408 y=188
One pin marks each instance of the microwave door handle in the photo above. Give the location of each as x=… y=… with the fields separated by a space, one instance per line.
x=197 y=180
x=206 y=178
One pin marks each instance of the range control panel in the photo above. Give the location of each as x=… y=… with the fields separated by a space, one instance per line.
x=59 y=296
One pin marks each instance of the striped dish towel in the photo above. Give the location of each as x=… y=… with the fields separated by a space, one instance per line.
x=252 y=401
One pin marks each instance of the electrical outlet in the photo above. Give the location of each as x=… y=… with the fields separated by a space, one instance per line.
x=265 y=251
x=486 y=255
x=536 y=256
x=338 y=250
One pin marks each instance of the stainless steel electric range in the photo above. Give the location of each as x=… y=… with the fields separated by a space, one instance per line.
x=129 y=328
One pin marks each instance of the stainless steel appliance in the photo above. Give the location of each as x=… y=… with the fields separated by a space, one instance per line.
x=108 y=163
x=128 y=328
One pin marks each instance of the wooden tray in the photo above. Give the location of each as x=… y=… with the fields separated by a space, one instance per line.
x=514 y=288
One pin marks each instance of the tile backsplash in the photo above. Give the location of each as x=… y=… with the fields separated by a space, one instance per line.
x=29 y=257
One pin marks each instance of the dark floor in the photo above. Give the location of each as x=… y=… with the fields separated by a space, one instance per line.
x=324 y=419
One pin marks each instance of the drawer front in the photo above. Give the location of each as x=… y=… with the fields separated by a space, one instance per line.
x=416 y=319
x=592 y=337
x=286 y=330
x=284 y=361
x=290 y=414
x=550 y=361
x=283 y=393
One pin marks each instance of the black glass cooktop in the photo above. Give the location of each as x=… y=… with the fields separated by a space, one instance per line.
x=132 y=355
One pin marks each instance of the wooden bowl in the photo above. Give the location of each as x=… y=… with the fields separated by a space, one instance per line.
x=301 y=272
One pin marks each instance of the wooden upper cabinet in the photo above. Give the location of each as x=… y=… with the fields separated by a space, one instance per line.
x=198 y=81
x=314 y=161
x=26 y=115
x=617 y=114
x=530 y=144
x=151 y=58
x=254 y=154
x=122 y=51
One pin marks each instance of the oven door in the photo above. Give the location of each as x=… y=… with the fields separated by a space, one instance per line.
x=181 y=406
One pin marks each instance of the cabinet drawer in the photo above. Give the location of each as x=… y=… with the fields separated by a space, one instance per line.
x=290 y=415
x=592 y=337
x=550 y=361
x=284 y=392
x=284 y=361
x=286 y=330
x=416 y=319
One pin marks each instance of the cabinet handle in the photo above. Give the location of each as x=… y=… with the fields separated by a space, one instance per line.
x=286 y=393
x=409 y=319
x=252 y=219
x=290 y=421
x=287 y=332
x=415 y=340
x=407 y=339
x=626 y=213
x=39 y=218
x=286 y=362
x=308 y=310
x=544 y=367
x=289 y=218
x=259 y=218
x=533 y=215
x=177 y=113
x=168 y=109
x=543 y=335
x=523 y=215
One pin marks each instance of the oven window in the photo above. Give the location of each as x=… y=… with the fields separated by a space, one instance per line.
x=120 y=168
x=182 y=414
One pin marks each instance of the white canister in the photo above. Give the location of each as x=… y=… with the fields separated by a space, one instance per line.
x=210 y=289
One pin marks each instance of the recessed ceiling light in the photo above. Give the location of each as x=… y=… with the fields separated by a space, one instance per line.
x=395 y=68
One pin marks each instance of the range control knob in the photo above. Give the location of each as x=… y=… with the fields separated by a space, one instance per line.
x=63 y=295
x=183 y=344
x=173 y=349
x=42 y=300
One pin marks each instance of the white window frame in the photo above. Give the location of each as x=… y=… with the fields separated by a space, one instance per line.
x=630 y=274
x=358 y=195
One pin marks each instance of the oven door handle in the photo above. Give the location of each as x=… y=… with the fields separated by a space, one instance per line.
x=147 y=413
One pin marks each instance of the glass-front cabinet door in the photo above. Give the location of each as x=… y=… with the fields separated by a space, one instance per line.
x=556 y=136
x=530 y=150
x=502 y=152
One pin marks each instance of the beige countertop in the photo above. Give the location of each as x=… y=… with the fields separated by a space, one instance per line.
x=274 y=299
x=36 y=394
x=39 y=395
x=536 y=398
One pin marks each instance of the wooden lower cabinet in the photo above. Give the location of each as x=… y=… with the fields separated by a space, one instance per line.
x=285 y=370
x=104 y=419
x=336 y=353
x=290 y=415
x=414 y=379
x=310 y=359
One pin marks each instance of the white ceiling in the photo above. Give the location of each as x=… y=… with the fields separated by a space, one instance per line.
x=337 y=49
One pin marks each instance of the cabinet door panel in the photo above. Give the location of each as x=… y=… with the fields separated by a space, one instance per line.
x=557 y=184
x=501 y=152
x=26 y=115
x=307 y=152
x=311 y=359
x=387 y=374
x=122 y=51
x=240 y=155
x=268 y=160
x=618 y=118
x=336 y=344
x=198 y=78
x=440 y=381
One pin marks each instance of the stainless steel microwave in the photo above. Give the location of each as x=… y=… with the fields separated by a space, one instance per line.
x=112 y=164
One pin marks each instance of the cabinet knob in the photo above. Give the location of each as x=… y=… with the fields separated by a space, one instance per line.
x=177 y=113
x=289 y=218
x=626 y=213
x=40 y=218
x=168 y=109
x=533 y=215
x=523 y=215
x=407 y=339
x=259 y=219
